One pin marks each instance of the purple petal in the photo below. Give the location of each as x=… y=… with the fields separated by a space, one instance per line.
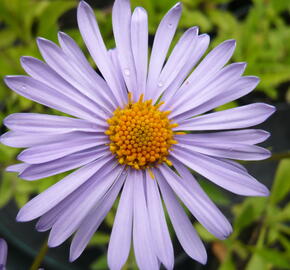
x=183 y=228
x=17 y=167
x=45 y=201
x=121 y=16
x=226 y=149
x=160 y=233
x=142 y=237
x=162 y=41
x=62 y=77
x=177 y=60
x=93 y=220
x=120 y=240
x=64 y=146
x=221 y=173
x=45 y=95
x=47 y=220
x=245 y=136
x=45 y=123
x=240 y=117
x=201 y=93
x=139 y=38
x=3 y=253
x=73 y=161
x=73 y=216
x=92 y=37
x=113 y=53
x=98 y=87
x=25 y=139
x=198 y=203
x=208 y=68
x=202 y=43
x=241 y=87
x=235 y=164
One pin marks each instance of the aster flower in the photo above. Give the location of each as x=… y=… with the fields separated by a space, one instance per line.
x=3 y=253
x=135 y=130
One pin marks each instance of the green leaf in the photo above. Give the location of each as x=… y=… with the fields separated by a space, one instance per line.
x=99 y=238
x=273 y=257
x=248 y=212
x=228 y=264
x=6 y=188
x=281 y=186
x=204 y=234
x=256 y=263
x=49 y=16
x=100 y=263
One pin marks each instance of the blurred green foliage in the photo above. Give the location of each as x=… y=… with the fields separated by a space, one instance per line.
x=261 y=233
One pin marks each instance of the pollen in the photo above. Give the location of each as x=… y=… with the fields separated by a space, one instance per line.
x=141 y=135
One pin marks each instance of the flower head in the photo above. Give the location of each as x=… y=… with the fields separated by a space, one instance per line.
x=135 y=130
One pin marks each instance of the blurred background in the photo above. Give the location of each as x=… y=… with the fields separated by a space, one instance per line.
x=261 y=237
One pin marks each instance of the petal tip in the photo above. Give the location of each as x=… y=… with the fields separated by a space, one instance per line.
x=177 y=8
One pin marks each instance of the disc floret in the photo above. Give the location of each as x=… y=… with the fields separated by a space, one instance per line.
x=141 y=134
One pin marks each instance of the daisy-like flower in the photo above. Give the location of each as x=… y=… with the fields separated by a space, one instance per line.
x=135 y=130
x=3 y=254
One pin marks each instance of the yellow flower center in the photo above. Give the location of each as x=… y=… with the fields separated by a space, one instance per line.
x=141 y=135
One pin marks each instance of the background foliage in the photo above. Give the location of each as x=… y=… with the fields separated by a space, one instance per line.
x=262 y=30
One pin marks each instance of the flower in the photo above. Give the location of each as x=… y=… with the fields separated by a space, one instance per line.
x=3 y=253
x=135 y=131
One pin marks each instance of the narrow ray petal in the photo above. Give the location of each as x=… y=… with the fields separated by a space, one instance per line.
x=98 y=87
x=198 y=203
x=245 y=136
x=47 y=220
x=121 y=17
x=240 y=88
x=54 y=150
x=72 y=217
x=122 y=229
x=56 y=193
x=160 y=233
x=208 y=68
x=240 y=117
x=142 y=235
x=221 y=173
x=177 y=60
x=26 y=139
x=162 y=41
x=228 y=150
x=73 y=161
x=92 y=37
x=45 y=95
x=45 y=123
x=202 y=43
x=139 y=40
x=200 y=93
x=62 y=79
x=93 y=220
x=17 y=167
x=3 y=253
x=183 y=228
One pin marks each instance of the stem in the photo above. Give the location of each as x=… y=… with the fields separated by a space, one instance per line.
x=40 y=256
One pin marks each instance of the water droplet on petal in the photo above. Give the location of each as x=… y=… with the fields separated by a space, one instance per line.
x=160 y=84
x=170 y=25
x=127 y=72
x=23 y=87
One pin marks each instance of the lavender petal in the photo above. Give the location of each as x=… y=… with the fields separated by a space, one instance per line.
x=221 y=173
x=122 y=229
x=45 y=201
